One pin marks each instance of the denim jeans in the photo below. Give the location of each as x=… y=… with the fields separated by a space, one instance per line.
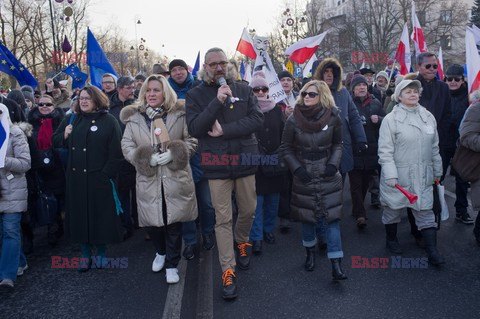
x=334 y=239
x=265 y=215
x=12 y=256
x=206 y=214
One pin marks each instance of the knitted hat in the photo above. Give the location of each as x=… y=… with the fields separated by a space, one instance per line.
x=27 y=88
x=357 y=79
x=177 y=62
x=403 y=85
x=29 y=96
x=382 y=73
x=17 y=96
x=284 y=74
x=258 y=80
x=455 y=70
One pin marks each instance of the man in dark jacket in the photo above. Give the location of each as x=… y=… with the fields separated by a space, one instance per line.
x=459 y=94
x=182 y=81
x=368 y=74
x=121 y=97
x=224 y=118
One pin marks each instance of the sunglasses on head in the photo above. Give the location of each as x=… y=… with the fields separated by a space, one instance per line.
x=45 y=104
x=262 y=88
x=428 y=66
x=451 y=78
x=310 y=94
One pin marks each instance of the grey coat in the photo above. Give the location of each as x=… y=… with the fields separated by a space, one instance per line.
x=470 y=138
x=17 y=163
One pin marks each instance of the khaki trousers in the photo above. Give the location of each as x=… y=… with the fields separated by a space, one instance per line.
x=246 y=198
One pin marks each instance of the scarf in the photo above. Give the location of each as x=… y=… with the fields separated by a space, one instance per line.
x=266 y=105
x=45 y=133
x=154 y=113
x=305 y=117
x=181 y=89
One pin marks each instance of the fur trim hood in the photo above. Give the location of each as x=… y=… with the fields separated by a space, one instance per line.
x=337 y=72
x=27 y=128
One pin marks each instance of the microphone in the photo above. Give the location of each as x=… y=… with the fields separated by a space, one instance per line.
x=221 y=81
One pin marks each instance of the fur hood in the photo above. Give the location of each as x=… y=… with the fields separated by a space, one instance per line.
x=128 y=111
x=25 y=127
x=337 y=72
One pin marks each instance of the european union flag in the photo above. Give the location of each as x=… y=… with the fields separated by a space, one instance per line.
x=97 y=61
x=10 y=65
x=79 y=78
x=197 y=65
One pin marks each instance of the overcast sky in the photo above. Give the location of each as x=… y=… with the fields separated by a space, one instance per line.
x=186 y=26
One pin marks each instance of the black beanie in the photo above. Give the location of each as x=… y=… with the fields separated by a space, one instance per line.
x=357 y=79
x=284 y=74
x=177 y=62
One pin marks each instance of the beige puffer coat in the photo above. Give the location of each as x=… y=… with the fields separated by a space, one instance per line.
x=175 y=178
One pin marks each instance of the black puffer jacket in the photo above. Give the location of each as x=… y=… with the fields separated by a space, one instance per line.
x=322 y=196
x=369 y=159
x=239 y=124
x=459 y=107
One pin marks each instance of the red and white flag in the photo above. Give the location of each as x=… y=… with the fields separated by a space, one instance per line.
x=245 y=45
x=303 y=50
x=417 y=34
x=441 y=75
x=473 y=61
x=403 y=52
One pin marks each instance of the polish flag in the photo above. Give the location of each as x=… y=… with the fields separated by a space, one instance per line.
x=303 y=50
x=440 y=73
x=473 y=61
x=245 y=45
x=403 y=52
x=417 y=34
x=307 y=69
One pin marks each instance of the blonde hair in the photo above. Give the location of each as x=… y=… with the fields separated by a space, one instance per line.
x=326 y=98
x=169 y=95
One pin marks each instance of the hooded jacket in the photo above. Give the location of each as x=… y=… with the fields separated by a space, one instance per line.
x=352 y=128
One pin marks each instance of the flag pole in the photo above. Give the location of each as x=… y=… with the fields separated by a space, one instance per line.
x=53 y=77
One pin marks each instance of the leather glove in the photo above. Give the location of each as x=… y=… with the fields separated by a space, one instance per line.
x=165 y=158
x=391 y=182
x=154 y=159
x=303 y=175
x=360 y=147
x=330 y=170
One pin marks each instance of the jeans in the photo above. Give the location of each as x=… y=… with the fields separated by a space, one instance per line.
x=206 y=214
x=265 y=215
x=12 y=256
x=334 y=239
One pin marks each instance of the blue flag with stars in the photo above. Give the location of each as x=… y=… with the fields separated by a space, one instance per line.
x=79 y=78
x=97 y=61
x=10 y=65
x=197 y=65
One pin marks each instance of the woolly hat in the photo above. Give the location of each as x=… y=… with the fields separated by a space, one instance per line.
x=29 y=96
x=258 y=80
x=17 y=96
x=357 y=79
x=284 y=74
x=177 y=62
x=455 y=70
x=27 y=88
x=403 y=85
x=382 y=73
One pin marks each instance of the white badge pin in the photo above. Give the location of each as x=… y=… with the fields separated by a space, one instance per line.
x=46 y=160
x=325 y=128
x=158 y=131
x=94 y=128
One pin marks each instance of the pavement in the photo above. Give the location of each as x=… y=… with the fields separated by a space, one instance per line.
x=275 y=286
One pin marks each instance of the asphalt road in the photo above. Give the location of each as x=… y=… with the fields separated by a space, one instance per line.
x=275 y=286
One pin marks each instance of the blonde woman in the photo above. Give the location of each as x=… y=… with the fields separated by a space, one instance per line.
x=312 y=149
x=165 y=188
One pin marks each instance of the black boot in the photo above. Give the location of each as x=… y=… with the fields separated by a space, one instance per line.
x=337 y=272
x=392 y=241
x=310 y=261
x=414 y=229
x=430 y=237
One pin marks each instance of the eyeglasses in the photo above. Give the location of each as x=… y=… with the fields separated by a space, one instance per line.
x=85 y=98
x=45 y=104
x=262 y=88
x=451 y=78
x=310 y=94
x=214 y=65
x=428 y=66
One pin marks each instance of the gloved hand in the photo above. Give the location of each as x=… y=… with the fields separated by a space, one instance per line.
x=391 y=182
x=303 y=175
x=360 y=147
x=165 y=158
x=154 y=159
x=330 y=170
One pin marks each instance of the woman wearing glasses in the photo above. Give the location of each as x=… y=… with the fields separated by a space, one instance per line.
x=94 y=156
x=157 y=143
x=269 y=178
x=47 y=174
x=312 y=148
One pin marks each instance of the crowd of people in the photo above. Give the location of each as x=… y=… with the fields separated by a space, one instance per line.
x=97 y=164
